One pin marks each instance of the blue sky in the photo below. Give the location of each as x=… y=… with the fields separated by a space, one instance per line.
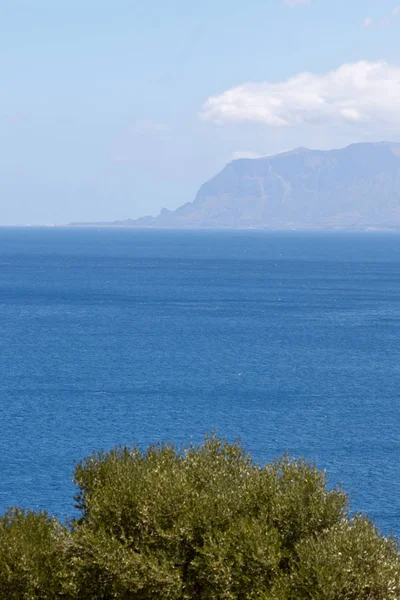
x=111 y=110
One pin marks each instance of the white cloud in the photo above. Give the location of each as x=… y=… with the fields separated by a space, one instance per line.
x=296 y=2
x=245 y=154
x=365 y=93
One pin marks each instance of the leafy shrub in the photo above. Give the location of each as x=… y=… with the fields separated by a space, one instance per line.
x=348 y=561
x=31 y=561
x=206 y=523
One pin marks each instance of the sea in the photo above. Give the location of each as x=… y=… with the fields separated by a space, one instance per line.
x=288 y=341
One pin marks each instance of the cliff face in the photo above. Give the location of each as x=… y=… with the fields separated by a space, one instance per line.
x=354 y=187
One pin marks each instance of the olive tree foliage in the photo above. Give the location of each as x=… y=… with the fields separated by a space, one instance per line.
x=204 y=523
x=31 y=556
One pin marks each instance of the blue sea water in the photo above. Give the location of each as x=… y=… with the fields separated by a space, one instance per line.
x=289 y=341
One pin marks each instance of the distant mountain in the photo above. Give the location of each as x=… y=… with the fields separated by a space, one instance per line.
x=354 y=187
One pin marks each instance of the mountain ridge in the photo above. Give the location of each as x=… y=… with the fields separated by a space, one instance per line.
x=356 y=187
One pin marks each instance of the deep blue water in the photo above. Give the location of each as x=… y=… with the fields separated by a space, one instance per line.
x=286 y=340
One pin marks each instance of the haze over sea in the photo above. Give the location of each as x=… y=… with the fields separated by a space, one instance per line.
x=289 y=341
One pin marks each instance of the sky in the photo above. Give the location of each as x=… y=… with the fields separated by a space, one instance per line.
x=115 y=109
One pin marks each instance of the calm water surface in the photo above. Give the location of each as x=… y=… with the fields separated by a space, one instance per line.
x=286 y=340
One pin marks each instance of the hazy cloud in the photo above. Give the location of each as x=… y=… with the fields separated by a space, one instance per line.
x=295 y=2
x=245 y=154
x=149 y=127
x=355 y=93
x=370 y=23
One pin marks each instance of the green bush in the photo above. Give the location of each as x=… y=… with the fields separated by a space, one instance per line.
x=31 y=556
x=348 y=561
x=207 y=523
